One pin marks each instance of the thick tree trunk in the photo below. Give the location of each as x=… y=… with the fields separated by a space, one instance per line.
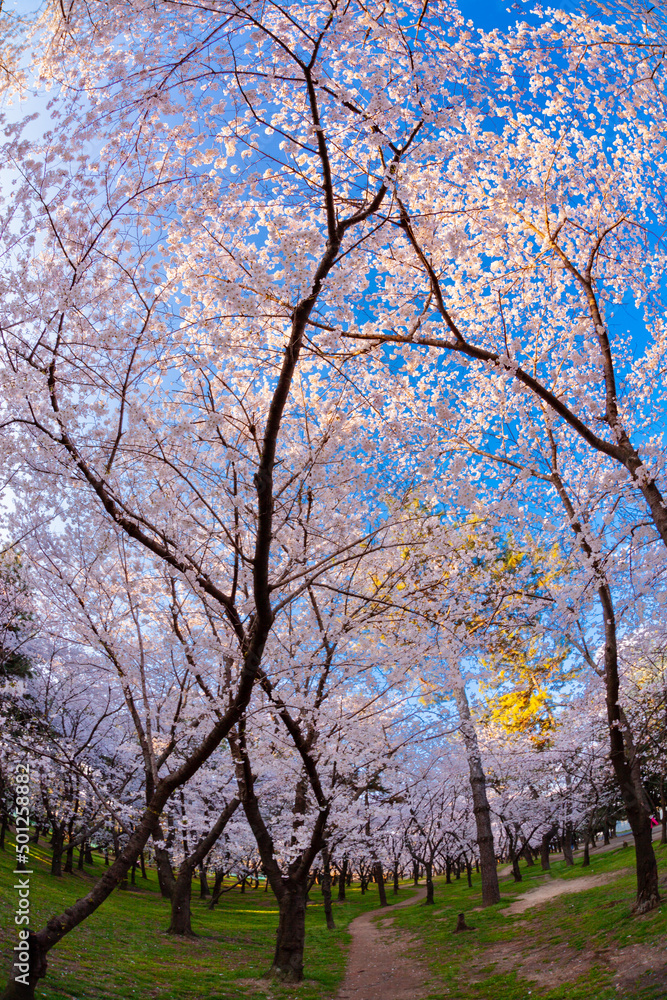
x=326 y=889
x=343 y=880
x=379 y=878
x=545 y=861
x=415 y=872
x=587 y=855
x=180 y=903
x=204 y=891
x=513 y=853
x=182 y=891
x=69 y=857
x=567 y=845
x=290 y=887
x=218 y=888
x=291 y=935
x=165 y=873
x=428 y=867
x=481 y=809
x=396 y=874
x=58 y=841
x=25 y=975
x=663 y=806
x=528 y=854
x=547 y=837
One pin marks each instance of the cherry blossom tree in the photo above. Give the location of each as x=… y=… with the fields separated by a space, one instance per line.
x=185 y=247
x=522 y=270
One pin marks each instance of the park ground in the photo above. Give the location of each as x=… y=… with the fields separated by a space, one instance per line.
x=577 y=945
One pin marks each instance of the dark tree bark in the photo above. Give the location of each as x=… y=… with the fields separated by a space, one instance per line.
x=343 y=880
x=290 y=887
x=69 y=857
x=326 y=888
x=567 y=844
x=513 y=852
x=165 y=873
x=461 y=924
x=428 y=867
x=291 y=935
x=180 y=900
x=34 y=968
x=528 y=854
x=217 y=888
x=204 y=891
x=379 y=878
x=180 y=923
x=481 y=808
x=396 y=878
x=587 y=856
x=58 y=842
x=544 y=848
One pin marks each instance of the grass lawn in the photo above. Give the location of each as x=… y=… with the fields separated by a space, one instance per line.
x=581 y=946
x=122 y=950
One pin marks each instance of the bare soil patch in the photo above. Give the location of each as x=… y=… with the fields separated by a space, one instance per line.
x=382 y=963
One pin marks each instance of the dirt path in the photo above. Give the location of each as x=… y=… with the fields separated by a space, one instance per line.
x=543 y=893
x=382 y=963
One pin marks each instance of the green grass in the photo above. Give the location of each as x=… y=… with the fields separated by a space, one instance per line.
x=122 y=950
x=572 y=945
